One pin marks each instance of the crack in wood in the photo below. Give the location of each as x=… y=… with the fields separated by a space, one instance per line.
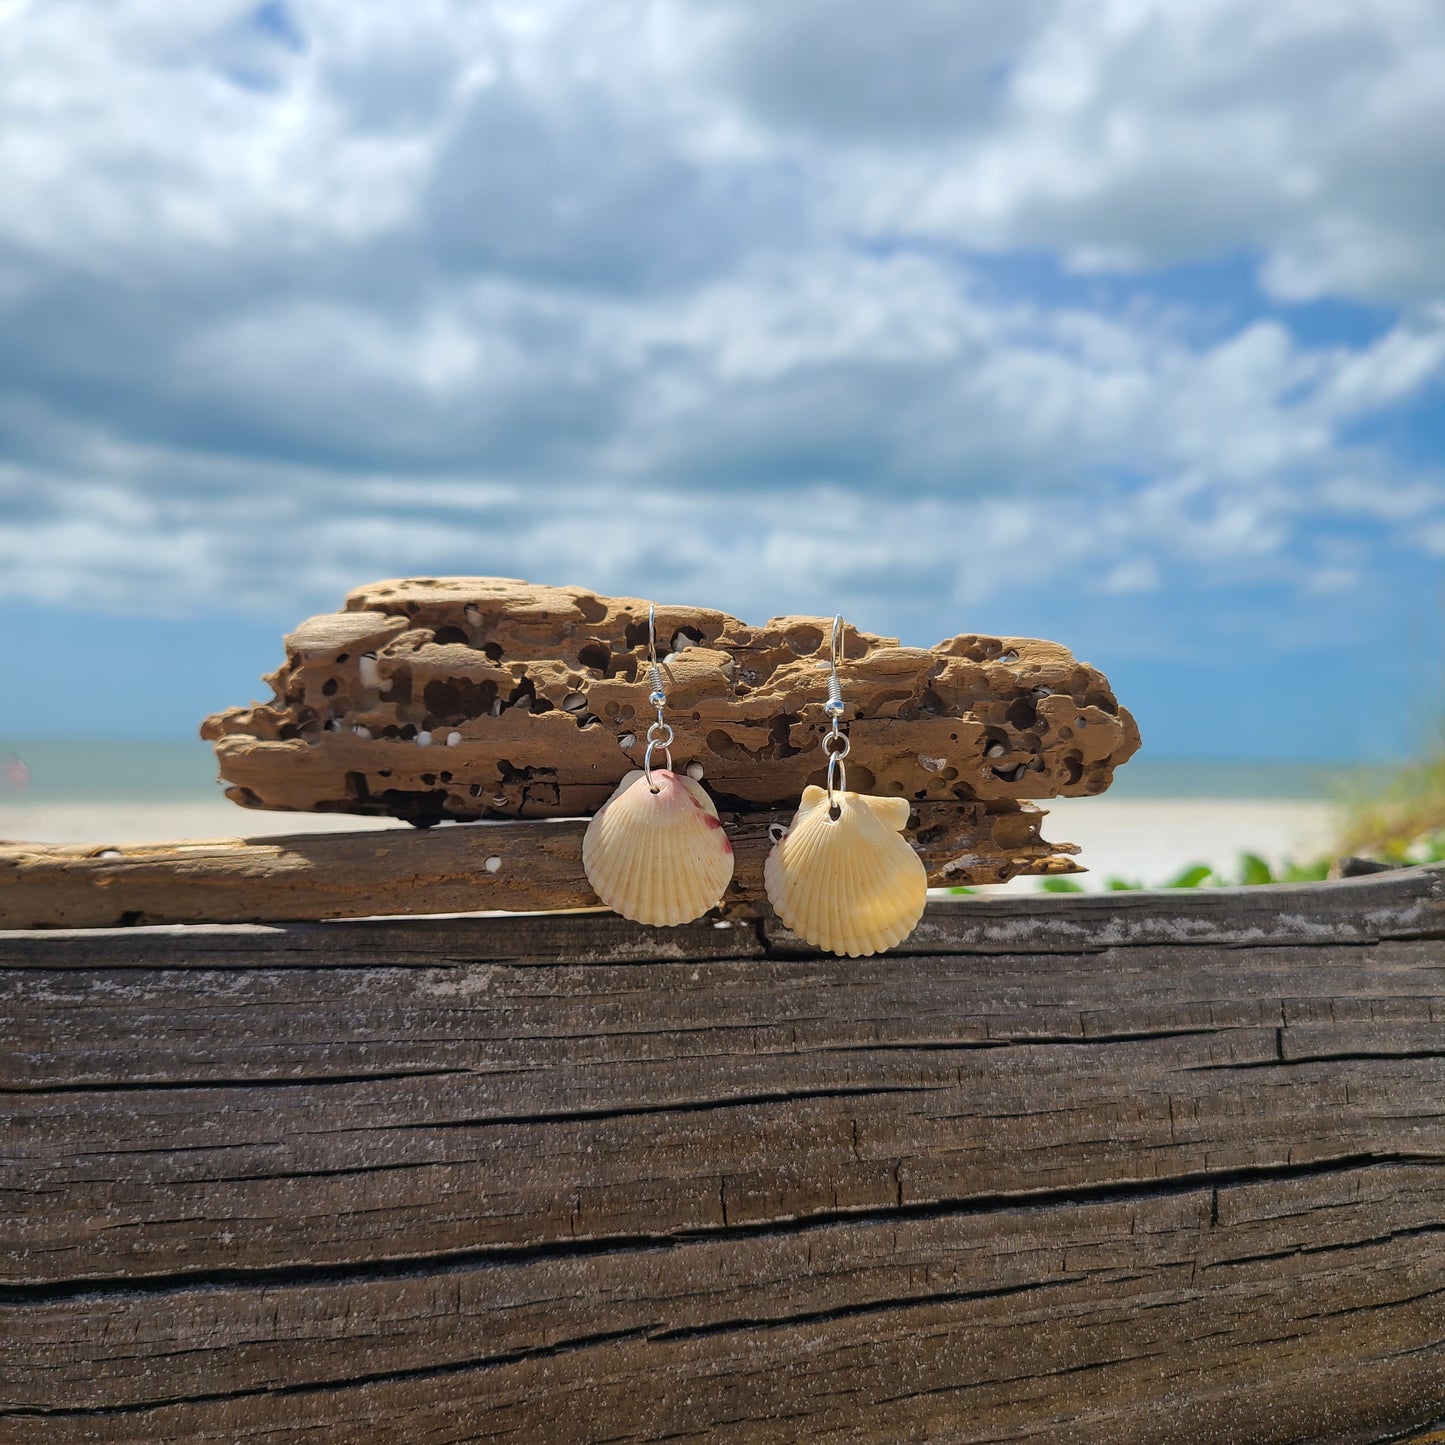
x=1029 y=1177
x=40 y=1092
x=1295 y=1060
x=428 y=1372
x=454 y=1260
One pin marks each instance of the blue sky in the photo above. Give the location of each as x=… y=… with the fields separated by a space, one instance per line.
x=1120 y=322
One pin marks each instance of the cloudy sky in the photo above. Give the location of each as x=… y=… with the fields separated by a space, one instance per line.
x=1115 y=321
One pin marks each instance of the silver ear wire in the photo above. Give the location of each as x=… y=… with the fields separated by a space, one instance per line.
x=659 y=734
x=835 y=740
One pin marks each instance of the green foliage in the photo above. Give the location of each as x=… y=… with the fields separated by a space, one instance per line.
x=1252 y=870
x=1194 y=877
x=1402 y=819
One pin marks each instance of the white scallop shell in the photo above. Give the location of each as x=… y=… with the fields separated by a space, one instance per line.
x=658 y=857
x=850 y=884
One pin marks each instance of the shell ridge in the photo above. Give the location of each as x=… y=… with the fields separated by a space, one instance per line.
x=853 y=885
x=655 y=857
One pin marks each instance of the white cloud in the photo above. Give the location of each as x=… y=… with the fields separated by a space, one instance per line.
x=1124 y=134
x=1138 y=575
x=296 y=294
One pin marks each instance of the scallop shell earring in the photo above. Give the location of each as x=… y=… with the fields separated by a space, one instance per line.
x=843 y=877
x=656 y=852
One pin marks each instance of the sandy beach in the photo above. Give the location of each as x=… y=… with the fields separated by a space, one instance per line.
x=1145 y=840
x=1150 y=840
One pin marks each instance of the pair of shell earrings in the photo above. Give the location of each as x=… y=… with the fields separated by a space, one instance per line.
x=842 y=877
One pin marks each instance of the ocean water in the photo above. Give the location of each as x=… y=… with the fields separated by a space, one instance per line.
x=112 y=770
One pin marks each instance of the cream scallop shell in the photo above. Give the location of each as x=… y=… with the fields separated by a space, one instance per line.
x=658 y=857
x=850 y=884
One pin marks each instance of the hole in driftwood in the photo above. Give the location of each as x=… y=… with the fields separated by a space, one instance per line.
x=458 y=700
x=805 y=640
x=421 y=810
x=778 y=744
x=723 y=745
x=1022 y=714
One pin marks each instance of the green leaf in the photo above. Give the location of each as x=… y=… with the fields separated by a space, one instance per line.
x=960 y=890
x=1191 y=877
x=1254 y=870
x=1122 y=885
x=1315 y=872
x=1061 y=885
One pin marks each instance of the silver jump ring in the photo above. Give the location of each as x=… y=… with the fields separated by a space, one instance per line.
x=647 y=763
x=836 y=744
x=837 y=782
x=659 y=735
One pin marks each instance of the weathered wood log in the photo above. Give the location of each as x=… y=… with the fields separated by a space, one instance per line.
x=532 y=702
x=1125 y=1168
x=518 y=867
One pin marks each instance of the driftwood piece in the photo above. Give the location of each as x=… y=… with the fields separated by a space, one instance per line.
x=532 y=702
x=516 y=867
x=1125 y=1168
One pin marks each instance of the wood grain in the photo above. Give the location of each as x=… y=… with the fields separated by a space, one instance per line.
x=517 y=867
x=1112 y=1168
